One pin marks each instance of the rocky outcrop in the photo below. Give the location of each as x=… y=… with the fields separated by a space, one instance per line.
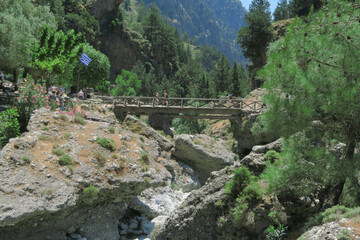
x=242 y=128
x=343 y=229
x=44 y=198
x=139 y=127
x=256 y=161
x=203 y=153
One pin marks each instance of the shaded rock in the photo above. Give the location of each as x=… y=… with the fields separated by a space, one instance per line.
x=202 y=153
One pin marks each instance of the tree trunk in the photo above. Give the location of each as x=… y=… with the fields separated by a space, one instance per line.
x=15 y=76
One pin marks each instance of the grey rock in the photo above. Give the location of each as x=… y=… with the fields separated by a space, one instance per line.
x=202 y=153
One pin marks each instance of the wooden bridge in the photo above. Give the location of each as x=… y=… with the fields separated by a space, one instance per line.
x=197 y=108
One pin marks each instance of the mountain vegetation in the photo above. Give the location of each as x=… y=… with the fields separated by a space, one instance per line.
x=313 y=84
x=208 y=22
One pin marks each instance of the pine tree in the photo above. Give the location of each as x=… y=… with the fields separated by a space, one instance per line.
x=255 y=37
x=312 y=77
x=221 y=80
x=302 y=7
x=282 y=10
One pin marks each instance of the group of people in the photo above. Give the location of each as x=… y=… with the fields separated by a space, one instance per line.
x=165 y=101
x=57 y=91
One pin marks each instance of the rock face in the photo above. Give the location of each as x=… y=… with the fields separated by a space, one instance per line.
x=43 y=199
x=255 y=161
x=136 y=125
x=203 y=153
x=344 y=229
x=242 y=129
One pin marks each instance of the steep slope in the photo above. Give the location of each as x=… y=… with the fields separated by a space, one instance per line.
x=210 y=22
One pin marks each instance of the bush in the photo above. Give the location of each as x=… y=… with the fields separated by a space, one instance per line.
x=90 y=192
x=271 y=156
x=65 y=160
x=112 y=130
x=276 y=233
x=79 y=120
x=26 y=159
x=31 y=97
x=144 y=157
x=106 y=143
x=9 y=126
x=64 y=117
x=58 y=152
x=239 y=181
x=100 y=157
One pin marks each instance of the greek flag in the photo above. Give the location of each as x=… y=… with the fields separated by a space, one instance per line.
x=85 y=59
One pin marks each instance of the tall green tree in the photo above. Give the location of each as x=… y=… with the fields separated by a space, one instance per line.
x=96 y=73
x=255 y=37
x=221 y=79
x=302 y=7
x=127 y=84
x=55 y=51
x=239 y=85
x=312 y=77
x=20 y=25
x=282 y=10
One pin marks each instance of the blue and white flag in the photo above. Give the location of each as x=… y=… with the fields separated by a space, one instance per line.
x=84 y=59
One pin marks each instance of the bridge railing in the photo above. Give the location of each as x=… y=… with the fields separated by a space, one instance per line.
x=217 y=103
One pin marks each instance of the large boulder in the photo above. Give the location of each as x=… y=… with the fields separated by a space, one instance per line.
x=203 y=153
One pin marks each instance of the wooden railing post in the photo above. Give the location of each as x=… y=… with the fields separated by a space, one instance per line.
x=197 y=103
x=182 y=103
x=125 y=102
x=153 y=102
x=139 y=104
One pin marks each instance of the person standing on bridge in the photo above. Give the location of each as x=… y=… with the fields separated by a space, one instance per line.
x=165 y=98
x=157 y=98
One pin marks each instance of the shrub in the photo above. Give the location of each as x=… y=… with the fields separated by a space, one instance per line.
x=240 y=180
x=79 y=120
x=67 y=136
x=90 y=192
x=9 y=126
x=58 y=152
x=106 y=143
x=31 y=97
x=144 y=157
x=45 y=129
x=112 y=130
x=142 y=138
x=43 y=137
x=64 y=117
x=276 y=233
x=65 y=160
x=147 y=180
x=100 y=157
x=114 y=156
x=26 y=159
x=271 y=156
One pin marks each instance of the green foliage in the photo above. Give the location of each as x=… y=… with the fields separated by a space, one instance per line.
x=316 y=65
x=26 y=159
x=67 y=136
x=96 y=74
x=147 y=180
x=189 y=126
x=334 y=213
x=302 y=7
x=63 y=117
x=276 y=233
x=90 y=192
x=255 y=37
x=31 y=97
x=59 y=152
x=56 y=51
x=127 y=84
x=9 y=126
x=144 y=157
x=107 y=143
x=20 y=24
x=282 y=10
x=79 y=120
x=221 y=76
x=65 y=160
x=271 y=156
x=242 y=177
